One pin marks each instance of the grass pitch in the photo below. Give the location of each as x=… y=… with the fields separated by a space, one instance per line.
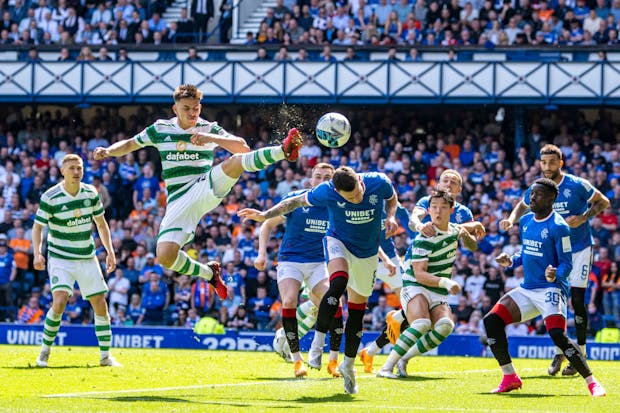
x=224 y=381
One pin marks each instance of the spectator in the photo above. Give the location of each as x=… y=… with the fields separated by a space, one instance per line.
x=8 y=273
x=241 y=320
x=119 y=289
x=30 y=313
x=155 y=299
x=135 y=311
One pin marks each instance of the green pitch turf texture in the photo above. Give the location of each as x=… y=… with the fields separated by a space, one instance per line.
x=227 y=381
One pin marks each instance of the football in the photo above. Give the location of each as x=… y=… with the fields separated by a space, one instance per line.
x=333 y=130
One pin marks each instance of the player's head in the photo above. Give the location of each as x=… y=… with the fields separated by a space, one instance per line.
x=187 y=105
x=450 y=180
x=440 y=206
x=72 y=168
x=348 y=184
x=543 y=194
x=322 y=172
x=551 y=161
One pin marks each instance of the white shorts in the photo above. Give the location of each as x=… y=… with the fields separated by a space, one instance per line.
x=540 y=301
x=384 y=275
x=582 y=263
x=434 y=299
x=64 y=273
x=309 y=273
x=362 y=271
x=184 y=213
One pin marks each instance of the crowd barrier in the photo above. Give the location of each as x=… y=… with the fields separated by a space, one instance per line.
x=170 y=337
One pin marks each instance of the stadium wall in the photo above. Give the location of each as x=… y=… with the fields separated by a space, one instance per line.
x=182 y=338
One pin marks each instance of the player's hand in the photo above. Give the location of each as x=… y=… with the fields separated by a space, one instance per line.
x=505 y=224
x=391 y=267
x=260 y=263
x=478 y=230
x=390 y=227
x=39 y=262
x=101 y=153
x=504 y=260
x=110 y=263
x=575 y=221
x=200 y=139
x=452 y=286
x=550 y=273
x=428 y=230
x=249 y=214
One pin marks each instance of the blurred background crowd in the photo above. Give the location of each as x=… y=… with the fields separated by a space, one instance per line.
x=411 y=145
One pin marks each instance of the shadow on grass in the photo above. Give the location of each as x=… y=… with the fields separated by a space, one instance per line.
x=35 y=367
x=519 y=395
x=333 y=398
x=158 y=399
x=418 y=378
x=548 y=377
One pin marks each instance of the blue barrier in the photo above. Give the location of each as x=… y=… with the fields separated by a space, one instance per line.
x=170 y=337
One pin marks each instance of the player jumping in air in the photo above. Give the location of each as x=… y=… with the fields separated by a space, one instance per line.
x=195 y=187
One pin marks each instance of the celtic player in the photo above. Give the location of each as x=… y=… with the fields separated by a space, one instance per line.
x=69 y=209
x=426 y=284
x=195 y=187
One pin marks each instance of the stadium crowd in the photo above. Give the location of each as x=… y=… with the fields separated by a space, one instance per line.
x=487 y=23
x=412 y=148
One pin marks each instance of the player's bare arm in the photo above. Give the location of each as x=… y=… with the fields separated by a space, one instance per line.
x=282 y=208
x=415 y=222
x=420 y=269
x=387 y=262
x=260 y=263
x=517 y=212
x=469 y=240
x=38 y=259
x=117 y=149
x=597 y=205
x=232 y=143
x=106 y=239
x=391 y=226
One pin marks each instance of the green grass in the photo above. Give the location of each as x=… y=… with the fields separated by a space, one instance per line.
x=223 y=381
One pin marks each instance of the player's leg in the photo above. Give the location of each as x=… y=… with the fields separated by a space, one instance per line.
x=505 y=312
x=337 y=258
x=336 y=332
x=395 y=282
x=290 y=276
x=51 y=325
x=93 y=288
x=259 y=159
x=103 y=330
x=416 y=303
x=442 y=327
x=578 y=280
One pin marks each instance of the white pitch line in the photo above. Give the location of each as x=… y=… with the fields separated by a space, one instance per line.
x=256 y=383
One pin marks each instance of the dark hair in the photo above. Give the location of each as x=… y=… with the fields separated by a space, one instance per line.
x=551 y=150
x=548 y=184
x=345 y=179
x=187 y=92
x=440 y=193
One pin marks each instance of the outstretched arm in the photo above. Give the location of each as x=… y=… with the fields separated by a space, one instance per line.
x=282 y=208
x=117 y=149
x=415 y=222
x=517 y=212
x=469 y=241
x=232 y=143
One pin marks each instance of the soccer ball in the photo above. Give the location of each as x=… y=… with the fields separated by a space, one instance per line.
x=333 y=130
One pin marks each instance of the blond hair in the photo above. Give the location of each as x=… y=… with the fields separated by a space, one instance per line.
x=453 y=172
x=70 y=157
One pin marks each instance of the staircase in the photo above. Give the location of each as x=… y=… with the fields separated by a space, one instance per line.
x=173 y=12
x=252 y=24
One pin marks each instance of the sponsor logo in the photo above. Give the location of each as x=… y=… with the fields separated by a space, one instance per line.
x=305 y=210
x=78 y=221
x=341 y=204
x=182 y=157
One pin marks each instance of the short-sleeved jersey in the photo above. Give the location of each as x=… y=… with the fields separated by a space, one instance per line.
x=70 y=220
x=181 y=161
x=575 y=194
x=440 y=252
x=358 y=226
x=305 y=229
x=460 y=215
x=545 y=242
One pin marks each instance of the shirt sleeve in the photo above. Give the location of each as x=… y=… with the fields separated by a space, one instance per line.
x=526 y=197
x=144 y=138
x=387 y=188
x=44 y=212
x=97 y=206
x=422 y=203
x=318 y=196
x=421 y=249
x=564 y=251
x=587 y=188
